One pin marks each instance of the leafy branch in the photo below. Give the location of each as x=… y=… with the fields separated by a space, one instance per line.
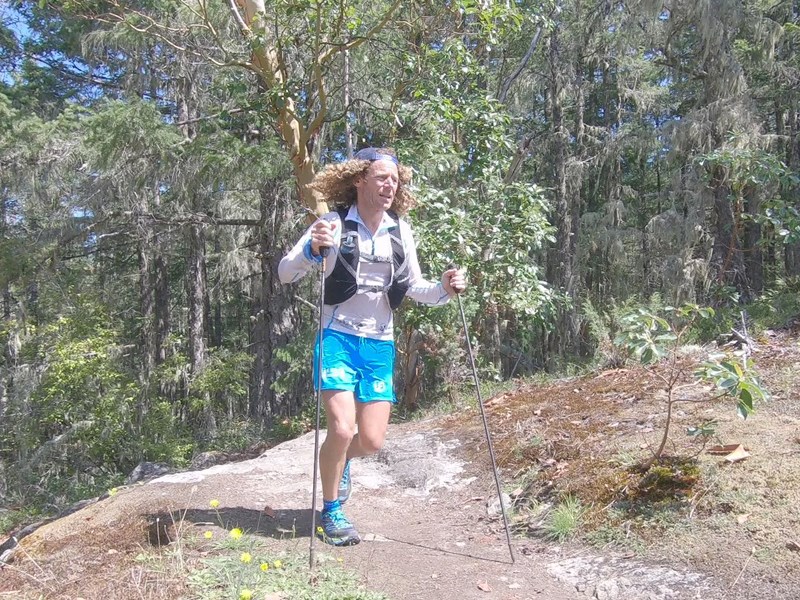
x=654 y=340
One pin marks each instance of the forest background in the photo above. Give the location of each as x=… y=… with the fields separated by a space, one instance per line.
x=580 y=158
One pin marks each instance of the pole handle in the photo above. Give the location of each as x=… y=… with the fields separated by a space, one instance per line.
x=452 y=265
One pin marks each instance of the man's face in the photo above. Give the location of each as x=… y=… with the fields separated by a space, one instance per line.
x=377 y=188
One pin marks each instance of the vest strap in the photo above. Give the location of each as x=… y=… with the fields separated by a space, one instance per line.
x=342 y=284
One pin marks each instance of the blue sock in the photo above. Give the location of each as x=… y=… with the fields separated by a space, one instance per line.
x=329 y=505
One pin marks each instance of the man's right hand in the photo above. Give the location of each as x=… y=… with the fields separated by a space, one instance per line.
x=322 y=236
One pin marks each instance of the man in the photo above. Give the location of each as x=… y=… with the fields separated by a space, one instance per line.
x=371 y=266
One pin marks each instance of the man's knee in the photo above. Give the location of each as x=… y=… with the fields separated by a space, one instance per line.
x=341 y=433
x=371 y=441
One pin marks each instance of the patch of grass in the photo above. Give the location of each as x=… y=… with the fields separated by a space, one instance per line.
x=257 y=574
x=726 y=500
x=626 y=459
x=236 y=565
x=668 y=479
x=766 y=555
x=565 y=519
x=608 y=535
x=529 y=449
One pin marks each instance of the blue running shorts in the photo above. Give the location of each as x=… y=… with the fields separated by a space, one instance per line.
x=356 y=364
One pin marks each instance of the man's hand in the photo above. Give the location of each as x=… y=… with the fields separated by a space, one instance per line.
x=321 y=236
x=454 y=281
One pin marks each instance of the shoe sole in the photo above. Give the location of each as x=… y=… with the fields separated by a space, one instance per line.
x=339 y=541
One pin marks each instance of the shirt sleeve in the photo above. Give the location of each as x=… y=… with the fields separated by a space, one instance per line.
x=299 y=261
x=421 y=290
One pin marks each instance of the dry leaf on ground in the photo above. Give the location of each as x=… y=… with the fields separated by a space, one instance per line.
x=725 y=449
x=739 y=454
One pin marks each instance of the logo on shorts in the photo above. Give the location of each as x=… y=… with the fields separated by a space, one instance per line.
x=336 y=373
x=379 y=387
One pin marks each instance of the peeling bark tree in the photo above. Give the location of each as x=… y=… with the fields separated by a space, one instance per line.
x=269 y=61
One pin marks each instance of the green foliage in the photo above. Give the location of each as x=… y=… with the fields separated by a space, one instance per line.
x=86 y=399
x=646 y=336
x=476 y=235
x=652 y=338
x=165 y=438
x=777 y=306
x=11 y=520
x=667 y=480
x=470 y=213
x=565 y=519
x=703 y=430
x=297 y=354
x=754 y=169
x=736 y=380
x=225 y=371
x=114 y=139
x=236 y=435
x=288 y=428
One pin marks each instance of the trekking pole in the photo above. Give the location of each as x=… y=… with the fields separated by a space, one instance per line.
x=312 y=558
x=485 y=425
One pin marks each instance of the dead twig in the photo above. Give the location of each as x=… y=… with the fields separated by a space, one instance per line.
x=744 y=566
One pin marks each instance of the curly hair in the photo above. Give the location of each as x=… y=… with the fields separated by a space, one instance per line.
x=336 y=184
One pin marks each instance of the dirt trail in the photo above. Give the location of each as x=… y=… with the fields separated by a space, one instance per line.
x=420 y=508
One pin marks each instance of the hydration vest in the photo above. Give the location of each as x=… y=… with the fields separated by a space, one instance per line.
x=342 y=283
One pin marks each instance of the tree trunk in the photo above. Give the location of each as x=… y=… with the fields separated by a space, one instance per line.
x=148 y=336
x=792 y=259
x=197 y=294
x=7 y=373
x=753 y=257
x=560 y=265
x=726 y=255
x=294 y=132
x=270 y=62
x=161 y=303
x=217 y=329
x=408 y=384
x=196 y=275
x=348 y=127
x=792 y=250
x=274 y=318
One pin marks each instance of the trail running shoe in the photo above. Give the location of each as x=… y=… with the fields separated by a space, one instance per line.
x=345 y=485
x=336 y=530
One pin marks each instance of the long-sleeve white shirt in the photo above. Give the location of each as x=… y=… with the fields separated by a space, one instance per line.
x=365 y=314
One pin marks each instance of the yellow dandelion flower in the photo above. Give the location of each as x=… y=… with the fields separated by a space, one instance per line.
x=112 y=491
x=236 y=533
x=264 y=567
x=277 y=564
x=214 y=504
x=208 y=535
x=245 y=594
x=245 y=557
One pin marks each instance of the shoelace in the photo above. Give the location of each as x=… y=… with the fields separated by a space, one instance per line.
x=338 y=520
